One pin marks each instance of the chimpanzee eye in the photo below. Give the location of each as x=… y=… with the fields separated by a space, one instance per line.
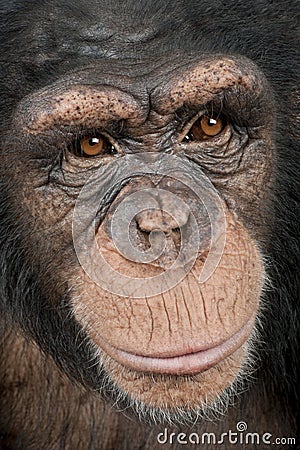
x=206 y=127
x=93 y=145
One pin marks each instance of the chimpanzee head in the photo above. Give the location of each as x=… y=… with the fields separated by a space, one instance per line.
x=137 y=174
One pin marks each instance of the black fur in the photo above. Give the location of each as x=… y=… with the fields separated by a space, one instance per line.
x=32 y=56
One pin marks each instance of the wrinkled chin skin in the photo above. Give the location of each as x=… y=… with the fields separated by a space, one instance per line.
x=217 y=310
x=176 y=400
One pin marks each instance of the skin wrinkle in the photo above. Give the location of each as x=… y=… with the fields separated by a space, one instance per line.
x=187 y=308
x=129 y=315
x=219 y=314
x=177 y=314
x=151 y=319
x=159 y=325
x=201 y=296
x=63 y=108
x=230 y=164
x=167 y=315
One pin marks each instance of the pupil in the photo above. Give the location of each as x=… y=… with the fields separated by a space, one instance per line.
x=212 y=122
x=93 y=141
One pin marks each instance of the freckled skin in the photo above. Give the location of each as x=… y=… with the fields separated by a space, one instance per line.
x=140 y=75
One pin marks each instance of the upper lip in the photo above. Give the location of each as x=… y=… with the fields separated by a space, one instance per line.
x=180 y=362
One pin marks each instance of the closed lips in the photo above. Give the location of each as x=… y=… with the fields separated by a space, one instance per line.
x=193 y=362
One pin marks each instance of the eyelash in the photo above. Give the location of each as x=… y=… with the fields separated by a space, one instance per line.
x=91 y=143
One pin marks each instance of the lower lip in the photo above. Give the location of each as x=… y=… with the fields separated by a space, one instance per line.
x=184 y=364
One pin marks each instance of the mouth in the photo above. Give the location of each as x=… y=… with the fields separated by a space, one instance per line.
x=194 y=361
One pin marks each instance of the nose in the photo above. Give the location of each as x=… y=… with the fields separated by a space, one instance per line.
x=165 y=215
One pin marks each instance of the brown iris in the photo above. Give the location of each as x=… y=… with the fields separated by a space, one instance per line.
x=206 y=127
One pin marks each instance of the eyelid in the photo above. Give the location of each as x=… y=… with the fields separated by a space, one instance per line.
x=208 y=111
x=187 y=127
x=80 y=136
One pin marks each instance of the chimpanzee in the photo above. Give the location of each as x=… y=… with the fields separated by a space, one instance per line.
x=150 y=224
